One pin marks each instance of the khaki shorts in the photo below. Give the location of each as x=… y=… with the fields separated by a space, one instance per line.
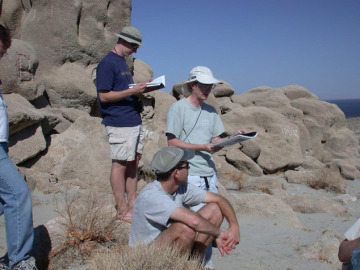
x=126 y=142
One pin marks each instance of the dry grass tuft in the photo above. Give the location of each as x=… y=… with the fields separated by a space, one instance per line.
x=254 y=188
x=144 y=257
x=319 y=180
x=89 y=224
x=236 y=177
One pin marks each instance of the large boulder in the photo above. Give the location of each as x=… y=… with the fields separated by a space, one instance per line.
x=71 y=86
x=80 y=156
x=62 y=31
x=69 y=38
x=278 y=139
x=264 y=205
x=242 y=162
x=325 y=178
x=26 y=135
x=325 y=248
x=304 y=204
x=18 y=71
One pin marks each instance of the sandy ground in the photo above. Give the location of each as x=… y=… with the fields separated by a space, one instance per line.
x=266 y=243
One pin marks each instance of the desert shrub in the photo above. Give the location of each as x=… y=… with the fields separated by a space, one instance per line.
x=327 y=178
x=89 y=224
x=144 y=257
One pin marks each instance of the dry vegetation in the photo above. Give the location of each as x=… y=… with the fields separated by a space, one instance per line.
x=88 y=224
x=142 y=257
x=327 y=178
x=91 y=237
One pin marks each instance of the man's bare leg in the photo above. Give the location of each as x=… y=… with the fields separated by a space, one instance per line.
x=186 y=239
x=178 y=235
x=131 y=183
x=212 y=213
x=117 y=180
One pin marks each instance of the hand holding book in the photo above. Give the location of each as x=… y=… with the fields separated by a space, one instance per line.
x=236 y=139
x=155 y=84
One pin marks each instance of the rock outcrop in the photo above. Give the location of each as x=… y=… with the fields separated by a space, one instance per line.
x=56 y=134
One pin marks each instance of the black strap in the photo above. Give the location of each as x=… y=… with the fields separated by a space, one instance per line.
x=130 y=36
x=206 y=182
x=187 y=134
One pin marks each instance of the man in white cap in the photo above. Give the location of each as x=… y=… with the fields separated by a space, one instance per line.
x=120 y=109
x=191 y=123
x=161 y=212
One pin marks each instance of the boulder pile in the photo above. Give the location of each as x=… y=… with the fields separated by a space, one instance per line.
x=56 y=136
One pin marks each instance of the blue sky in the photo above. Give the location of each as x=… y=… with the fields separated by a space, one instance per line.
x=251 y=43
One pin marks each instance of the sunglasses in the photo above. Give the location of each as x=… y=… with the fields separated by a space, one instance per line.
x=186 y=166
x=205 y=87
x=134 y=45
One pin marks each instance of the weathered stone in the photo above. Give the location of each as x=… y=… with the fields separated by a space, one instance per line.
x=21 y=113
x=71 y=86
x=80 y=156
x=242 y=162
x=142 y=71
x=325 y=248
x=296 y=91
x=26 y=144
x=263 y=204
x=18 y=71
x=267 y=184
x=228 y=175
x=223 y=90
x=303 y=204
x=325 y=178
x=277 y=138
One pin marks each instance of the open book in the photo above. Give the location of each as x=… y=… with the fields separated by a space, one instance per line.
x=236 y=139
x=155 y=84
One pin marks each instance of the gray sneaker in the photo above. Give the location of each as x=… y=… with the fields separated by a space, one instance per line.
x=28 y=264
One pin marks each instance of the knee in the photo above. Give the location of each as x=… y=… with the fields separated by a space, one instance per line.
x=23 y=195
x=186 y=232
x=212 y=210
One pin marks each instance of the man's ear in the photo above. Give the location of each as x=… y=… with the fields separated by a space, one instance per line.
x=175 y=173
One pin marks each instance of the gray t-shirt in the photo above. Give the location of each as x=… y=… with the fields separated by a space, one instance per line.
x=197 y=126
x=153 y=208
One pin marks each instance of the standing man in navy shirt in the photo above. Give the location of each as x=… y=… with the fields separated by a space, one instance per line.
x=120 y=109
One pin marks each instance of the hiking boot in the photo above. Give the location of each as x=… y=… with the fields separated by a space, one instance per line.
x=3 y=266
x=28 y=264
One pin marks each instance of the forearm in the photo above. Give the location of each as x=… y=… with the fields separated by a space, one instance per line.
x=206 y=227
x=195 y=221
x=228 y=212
x=218 y=139
x=184 y=145
x=114 y=96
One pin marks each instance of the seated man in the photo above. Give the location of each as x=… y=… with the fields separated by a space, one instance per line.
x=161 y=211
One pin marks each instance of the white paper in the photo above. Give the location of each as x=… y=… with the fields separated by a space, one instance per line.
x=159 y=81
x=236 y=139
